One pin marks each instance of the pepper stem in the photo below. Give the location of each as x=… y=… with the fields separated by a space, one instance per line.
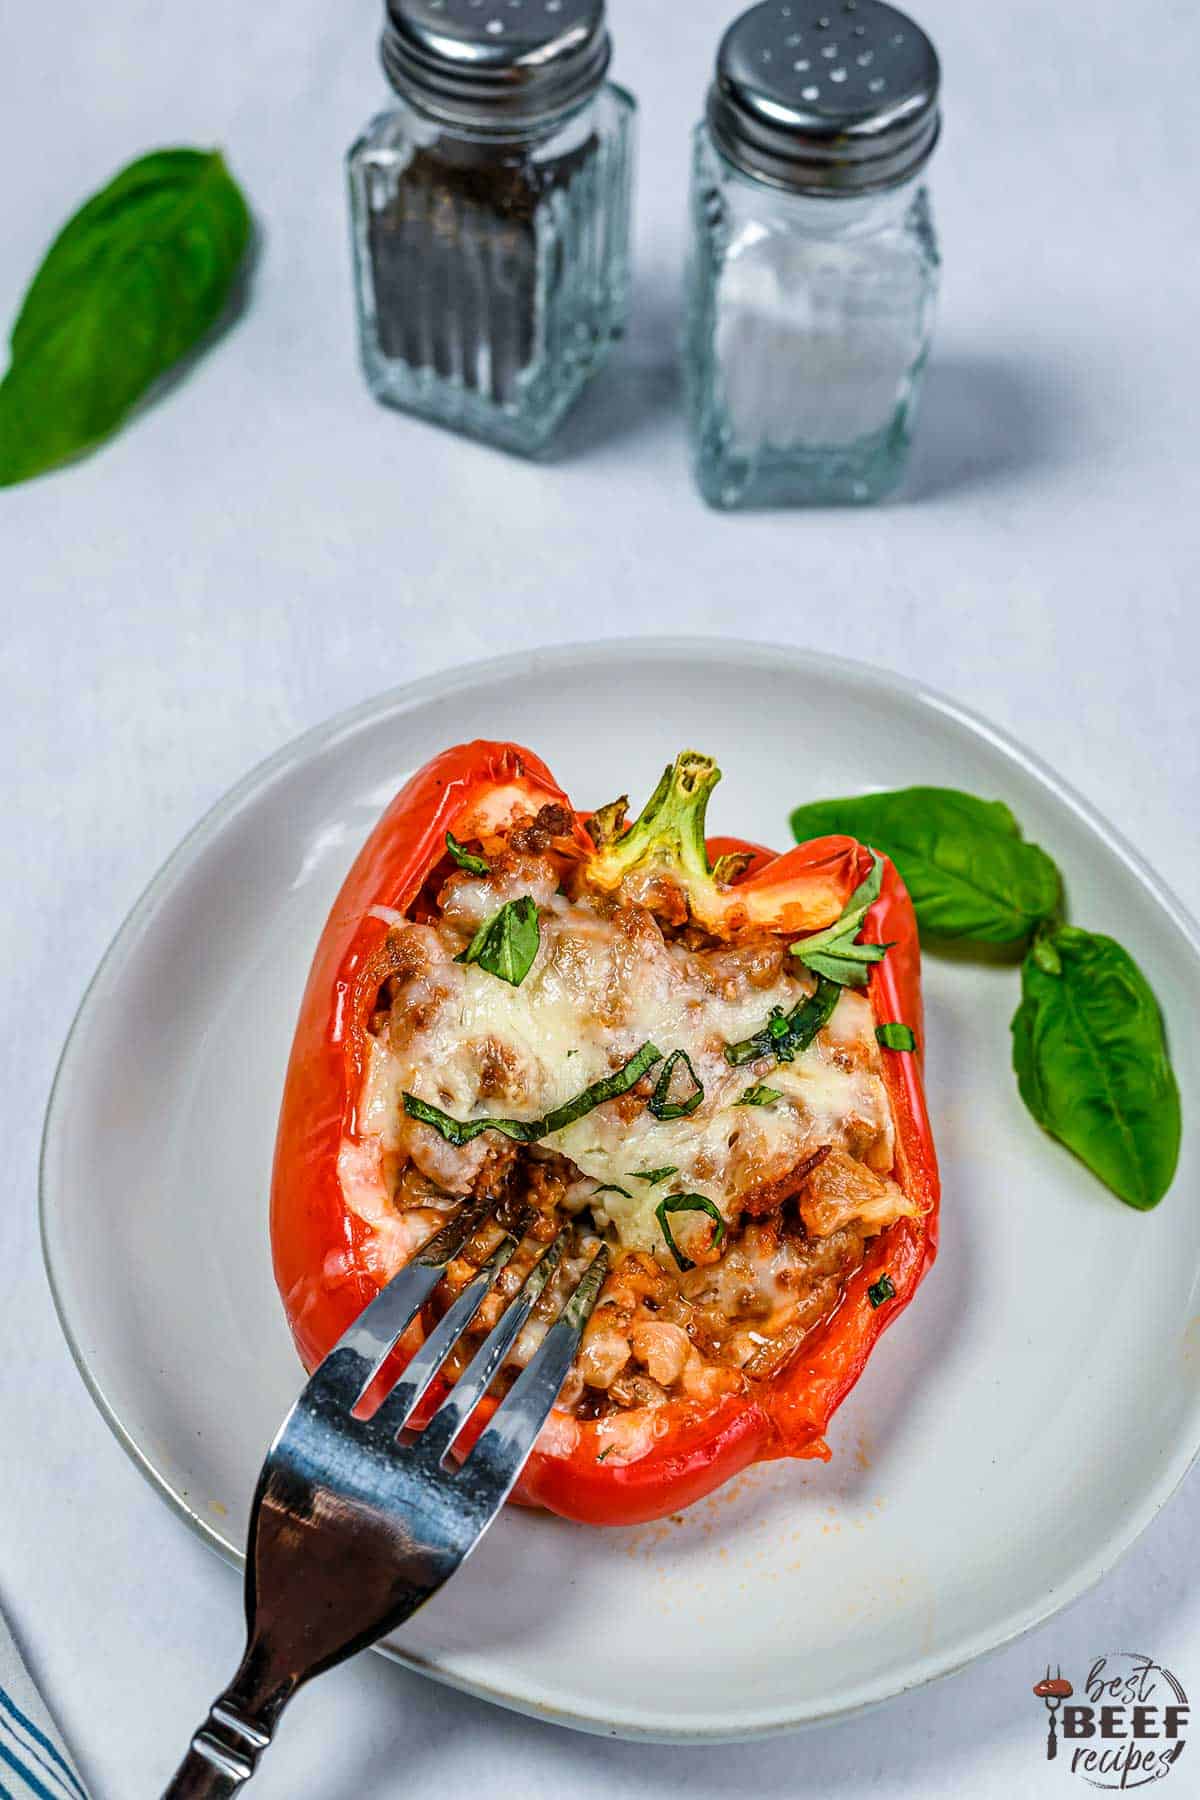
x=669 y=830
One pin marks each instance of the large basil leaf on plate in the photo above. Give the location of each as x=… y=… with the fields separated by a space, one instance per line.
x=132 y=283
x=970 y=872
x=1091 y=1062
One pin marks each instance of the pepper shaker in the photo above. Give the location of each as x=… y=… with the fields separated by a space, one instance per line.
x=490 y=214
x=813 y=268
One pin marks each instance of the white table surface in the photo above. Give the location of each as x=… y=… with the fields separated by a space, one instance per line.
x=265 y=546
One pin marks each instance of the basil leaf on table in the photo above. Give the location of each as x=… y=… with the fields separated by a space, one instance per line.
x=970 y=872
x=133 y=282
x=507 y=943
x=1091 y=1062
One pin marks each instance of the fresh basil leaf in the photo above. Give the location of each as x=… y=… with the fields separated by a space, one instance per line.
x=653 y=1176
x=611 y=1088
x=963 y=860
x=833 y=952
x=786 y=1035
x=506 y=944
x=677 y=1203
x=881 y=1290
x=1091 y=1061
x=133 y=282
x=758 y=1095
x=610 y=1187
x=660 y=1103
x=896 y=1036
x=463 y=1131
x=474 y=865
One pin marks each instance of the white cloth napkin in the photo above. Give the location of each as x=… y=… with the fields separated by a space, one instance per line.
x=34 y=1764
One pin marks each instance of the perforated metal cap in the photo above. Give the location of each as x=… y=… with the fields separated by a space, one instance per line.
x=840 y=97
x=495 y=64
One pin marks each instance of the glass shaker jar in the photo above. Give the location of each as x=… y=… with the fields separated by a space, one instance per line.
x=490 y=214
x=813 y=269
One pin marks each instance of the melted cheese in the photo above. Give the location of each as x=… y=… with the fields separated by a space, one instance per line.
x=599 y=989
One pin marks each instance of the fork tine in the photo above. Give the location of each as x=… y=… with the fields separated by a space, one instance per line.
x=401 y=1403
x=503 y=1446
x=359 y=1354
x=439 y=1435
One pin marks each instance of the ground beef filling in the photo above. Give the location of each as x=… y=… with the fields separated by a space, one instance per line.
x=657 y=1333
x=794 y=1234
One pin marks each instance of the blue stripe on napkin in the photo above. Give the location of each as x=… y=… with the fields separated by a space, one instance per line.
x=28 y=1777
x=34 y=1762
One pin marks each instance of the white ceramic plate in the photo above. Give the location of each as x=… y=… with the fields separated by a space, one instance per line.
x=1016 y=1430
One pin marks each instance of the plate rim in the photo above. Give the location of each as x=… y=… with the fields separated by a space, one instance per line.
x=403 y=698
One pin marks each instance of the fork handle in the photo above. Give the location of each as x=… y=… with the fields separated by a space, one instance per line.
x=222 y=1756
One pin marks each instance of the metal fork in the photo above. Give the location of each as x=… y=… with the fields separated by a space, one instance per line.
x=352 y=1530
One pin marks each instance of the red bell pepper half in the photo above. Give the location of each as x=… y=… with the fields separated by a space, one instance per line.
x=475 y=791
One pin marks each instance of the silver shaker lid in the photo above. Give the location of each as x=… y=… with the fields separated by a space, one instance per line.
x=840 y=97
x=495 y=65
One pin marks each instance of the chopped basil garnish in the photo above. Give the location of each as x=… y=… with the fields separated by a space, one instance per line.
x=506 y=944
x=607 y=1451
x=851 y=965
x=676 y=1203
x=529 y=1131
x=654 y=1176
x=609 y=1089
x=785 y=1035
x=758 y=1095
x=833 y=952
x=881 y=1290
x=663 y=1107
x=610 y=1187
x=474 y=865
x=895 y=1036
x=462 y=1131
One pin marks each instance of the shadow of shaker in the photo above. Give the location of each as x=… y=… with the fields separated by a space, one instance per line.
x=985 y=420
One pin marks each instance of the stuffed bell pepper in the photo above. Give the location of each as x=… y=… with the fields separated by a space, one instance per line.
x=700 y=1054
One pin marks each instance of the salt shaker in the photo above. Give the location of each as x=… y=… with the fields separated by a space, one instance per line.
x=490 y=214
x=814 y=267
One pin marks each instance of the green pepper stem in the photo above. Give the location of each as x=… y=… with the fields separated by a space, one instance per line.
x=669 y=830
